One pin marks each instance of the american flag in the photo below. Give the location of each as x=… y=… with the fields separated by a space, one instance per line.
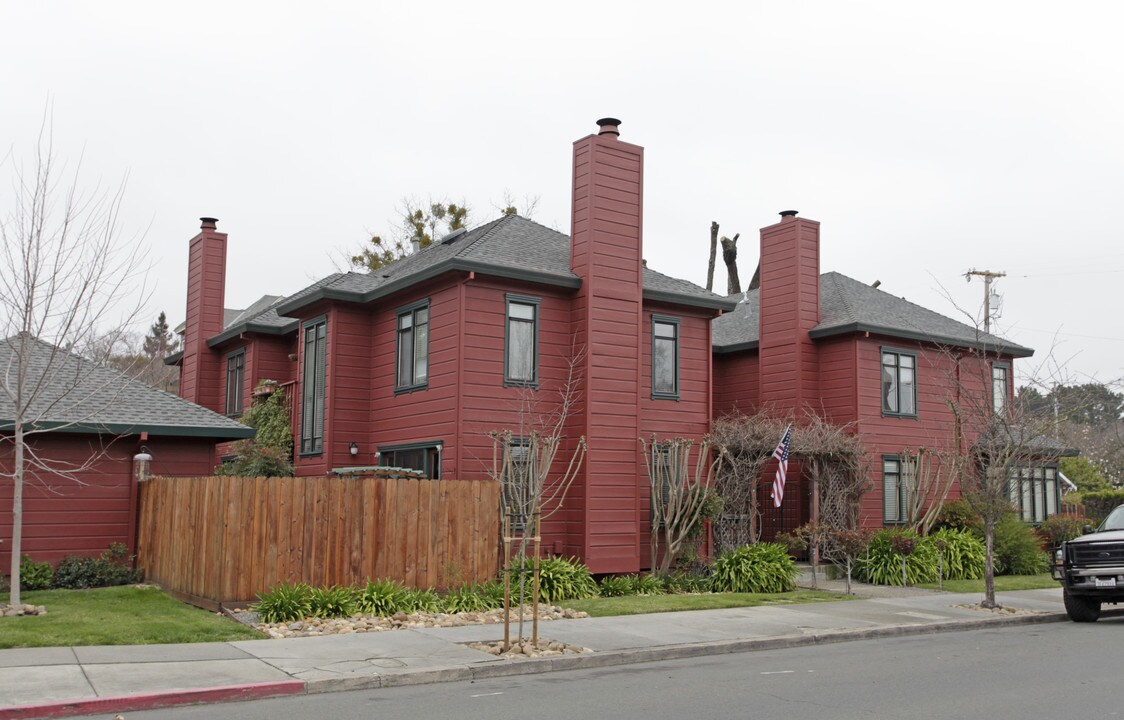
x=781 y=454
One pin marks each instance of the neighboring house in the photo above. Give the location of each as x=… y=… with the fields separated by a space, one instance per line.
x=96 y=420
x=412 y=365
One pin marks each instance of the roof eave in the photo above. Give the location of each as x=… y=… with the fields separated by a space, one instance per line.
x=88 y=428
x=734 y=347
x=714 y=303
x=251 y=327
x=1015 y=351
x=174 y=359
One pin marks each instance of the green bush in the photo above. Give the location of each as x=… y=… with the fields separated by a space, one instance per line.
x=270 y=452
x=473 y=598
x=616 y=586
x=1017 y=549
x=1057 y=529
x=964 y=554
x=959 y=515
x=882 y=565
x=382 y=598
x=331 y=602
x=646 y=584
x=76 y=572
x=286 y=602
x=559 y=579
x=685 y=582
x=417 y=600
x=1099 y=504
x=759 y=568
x=34 y=575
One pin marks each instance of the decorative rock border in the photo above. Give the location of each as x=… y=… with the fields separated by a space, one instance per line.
x=18 y=610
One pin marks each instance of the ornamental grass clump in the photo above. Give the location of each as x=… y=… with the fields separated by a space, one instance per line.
x=883 y=564
x=381 y=598
x=336 y=601
x=286 y=602
x=616 y=586
x=759 y=568
x=962 y=554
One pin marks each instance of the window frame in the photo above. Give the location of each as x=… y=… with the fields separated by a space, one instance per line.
x=1034 y=484
x=675 y=323
x=899 y=489
x=431 y=460
x=1006 y=368
x=661 y=455
x=536 y=304
x=238 y=394
x=899 y=353
x=311 y=444
x=410 y=310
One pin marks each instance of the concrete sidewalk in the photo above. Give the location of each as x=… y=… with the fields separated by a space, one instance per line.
x=55 y=682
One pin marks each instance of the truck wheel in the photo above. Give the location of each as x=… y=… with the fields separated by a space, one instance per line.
x=1081 y=609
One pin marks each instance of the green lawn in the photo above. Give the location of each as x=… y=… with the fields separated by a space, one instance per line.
x=1002 y=583
x=637 y=605
x=126 y=615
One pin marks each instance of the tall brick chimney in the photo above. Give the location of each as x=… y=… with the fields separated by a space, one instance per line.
x=201 y=378
x=606 y=252
x=790 y=307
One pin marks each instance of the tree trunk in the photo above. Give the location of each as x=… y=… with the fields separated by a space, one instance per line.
x=17 y=515
x=713 y=254
x=989 y=565
x=730 y=257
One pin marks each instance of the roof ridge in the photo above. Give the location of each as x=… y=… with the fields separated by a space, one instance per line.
x=842 y=298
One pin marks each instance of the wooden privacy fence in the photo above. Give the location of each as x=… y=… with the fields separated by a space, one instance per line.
x=216 y=539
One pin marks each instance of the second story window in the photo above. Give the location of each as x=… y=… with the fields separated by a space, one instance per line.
x=313 y=378
x=521 y=354
x=413 y=347
x=235 y=372
x=999 y=388
x=665 y=358
x=899 y=383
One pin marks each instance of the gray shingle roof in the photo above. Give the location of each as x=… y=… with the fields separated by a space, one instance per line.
x=847 y=305
x=80 y=396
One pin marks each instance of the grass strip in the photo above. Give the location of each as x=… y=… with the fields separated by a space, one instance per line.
x=1003 y=583
x=640 y=604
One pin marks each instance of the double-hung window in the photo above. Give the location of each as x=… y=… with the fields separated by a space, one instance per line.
x=899 y=383
x=665 y=358
x=413 y=347
x=521 y=353
x=235 y=372
x=1034 y=492
x=313 y=378
x=893 y=491
x=999 y=388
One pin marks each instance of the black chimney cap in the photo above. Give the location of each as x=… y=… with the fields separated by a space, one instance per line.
x=208 y=222
x=609 y=125
x=788 y=213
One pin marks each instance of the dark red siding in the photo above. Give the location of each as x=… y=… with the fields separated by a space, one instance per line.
x=202 y=378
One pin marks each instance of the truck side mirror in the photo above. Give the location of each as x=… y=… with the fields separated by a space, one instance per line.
x=1087 y=528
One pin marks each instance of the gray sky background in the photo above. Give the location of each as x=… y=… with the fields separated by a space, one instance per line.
x=928 y=140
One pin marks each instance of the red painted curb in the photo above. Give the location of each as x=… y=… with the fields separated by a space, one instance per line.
x=149 y=701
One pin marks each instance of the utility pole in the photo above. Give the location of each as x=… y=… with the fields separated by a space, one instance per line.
x=987 y=275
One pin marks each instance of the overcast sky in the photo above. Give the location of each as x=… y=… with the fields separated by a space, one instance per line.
x=986 y=135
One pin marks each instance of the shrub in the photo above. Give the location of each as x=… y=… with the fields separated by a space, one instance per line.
x=1099 y=504
x=270 y=452
x=381 y=598
x=472 y=598
x=685 y=582
x=964 y=554
x=284 y=603
x=416 y=600
x=1060 y=528
x=759 y=568
x=882 y=565
x=110 y=568
x=332 y=602
x=1017 y=551
x=616 y=586
x=646 y=584
x=959 y=515
x=34 y=575
x=559 y=579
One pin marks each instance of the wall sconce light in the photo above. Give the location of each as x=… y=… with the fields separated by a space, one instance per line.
x=142 y=464
x=353 y=448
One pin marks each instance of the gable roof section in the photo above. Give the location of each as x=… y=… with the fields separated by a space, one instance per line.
x=849 y=306
x=82 y=397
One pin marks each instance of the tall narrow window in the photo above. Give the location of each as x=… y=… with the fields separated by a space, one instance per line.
x=313 y=376
x=999 y=388
x=899 y=386
x=522 y=353
x=893 y=498
x=235 y=372
x=413 y=347
x=665 y=358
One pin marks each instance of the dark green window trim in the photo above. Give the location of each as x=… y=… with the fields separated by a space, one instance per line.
x=668 y=332
x=416 y=316
x=893 y=506
x=521 y=301
x=1006 y=368
x=1035 y=492
x=314 y=376
x=894 y=365
x=236 y=371
x=431 y=456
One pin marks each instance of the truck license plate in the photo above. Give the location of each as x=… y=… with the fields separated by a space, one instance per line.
x=1104 y=582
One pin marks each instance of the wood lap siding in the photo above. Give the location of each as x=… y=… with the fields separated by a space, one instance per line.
x=216 y=539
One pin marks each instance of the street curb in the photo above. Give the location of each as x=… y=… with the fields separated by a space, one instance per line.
x=151 y=701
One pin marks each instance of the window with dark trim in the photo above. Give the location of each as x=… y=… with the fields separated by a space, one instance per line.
x=893 y=493
x=412 y=360
x=1034 y=492
x=999 y=374
x=313 y=377
x=521 y=342
x=423 y=456
x=899 y=383
x=666 y=477
x=665 y=358
x=235 y=373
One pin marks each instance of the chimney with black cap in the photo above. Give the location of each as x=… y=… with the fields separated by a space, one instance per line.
x=606 y=251
x=789 y=309
x=201 y=378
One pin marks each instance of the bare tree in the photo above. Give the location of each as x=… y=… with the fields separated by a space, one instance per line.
x=679 y=496
x=713 y=255
x=927 y=477
x=730 y=257
x=65 y=278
